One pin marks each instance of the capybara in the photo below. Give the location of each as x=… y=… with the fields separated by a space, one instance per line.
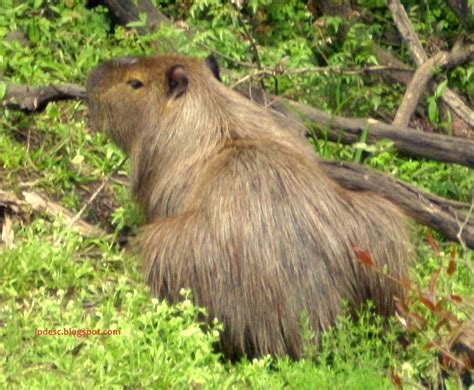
x=237 y=208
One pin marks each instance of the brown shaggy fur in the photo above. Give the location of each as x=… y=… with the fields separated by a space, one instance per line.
x=238 y=209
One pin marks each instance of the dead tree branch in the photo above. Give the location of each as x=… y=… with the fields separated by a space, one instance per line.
x=449 y=97
x=407 y=31
x=436 y=212
x=91 y=199
x=35 y=99
x=421 y=206
x=124 y=12
x=408 y=141
x=41 y=204
x=384 y=57
x=460 y=53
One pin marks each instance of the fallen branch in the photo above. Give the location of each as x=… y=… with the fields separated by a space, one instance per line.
x=417 y=86
x=124 y=12
x=449 y=97
x=407 y=31
x=433 y=211
x=35 y=99
x=408 y=141
x=281 y=70
x=452 y=100
x=43 y=205
x=458 y=107
x=423 y=207
x=8 y=208
x=384 y=57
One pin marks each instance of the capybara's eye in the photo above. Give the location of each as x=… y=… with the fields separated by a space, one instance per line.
x=135 y=84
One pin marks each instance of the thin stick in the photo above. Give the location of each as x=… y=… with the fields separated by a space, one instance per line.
x=96 y=193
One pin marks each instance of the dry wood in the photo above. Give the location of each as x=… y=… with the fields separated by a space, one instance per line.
x=457 y=105
x=128 y=11
x=8 y=207
x=41 y=204
x=449 y=97
x=384 y=57
x=420 y=205
x=91 y=199
x=125 y=12
x=34 y=99
x=407 y=31
x=408 y=141
x=460 y=53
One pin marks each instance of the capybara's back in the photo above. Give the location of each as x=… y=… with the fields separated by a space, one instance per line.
x=238 y=209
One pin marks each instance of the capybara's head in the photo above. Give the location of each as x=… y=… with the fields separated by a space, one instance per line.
x=127 y=94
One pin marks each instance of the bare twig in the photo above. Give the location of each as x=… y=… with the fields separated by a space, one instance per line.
x=399 y=67
x=227 y=57
x=280 y=70
x=267 y=71
x=253 y=44
x=96 y=192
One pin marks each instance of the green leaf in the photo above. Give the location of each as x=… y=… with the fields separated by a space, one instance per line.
x=3 y=89
x=433 y=110
x=441 y=88
x=33 y=32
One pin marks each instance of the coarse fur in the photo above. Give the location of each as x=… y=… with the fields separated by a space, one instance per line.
x=238 y=209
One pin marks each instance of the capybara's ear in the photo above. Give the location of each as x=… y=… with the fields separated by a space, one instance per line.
x=177 y=80
x=212 y=64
